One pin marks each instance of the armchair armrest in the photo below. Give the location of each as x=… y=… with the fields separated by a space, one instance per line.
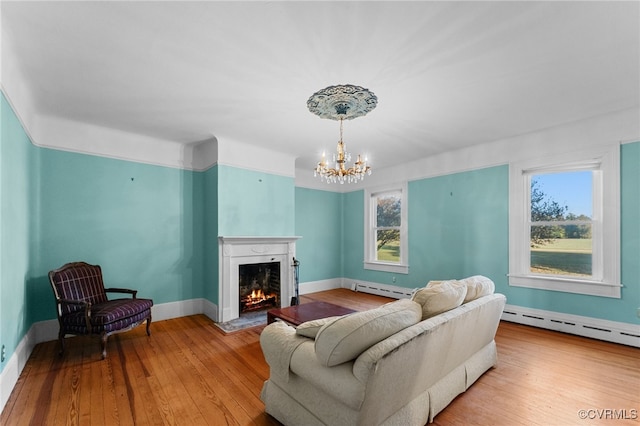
x=122 y=290
x=75 y=302
x=86 y=307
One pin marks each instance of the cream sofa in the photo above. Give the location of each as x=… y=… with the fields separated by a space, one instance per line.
x=328 y=372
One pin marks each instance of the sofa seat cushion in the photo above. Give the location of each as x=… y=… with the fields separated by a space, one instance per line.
x=478 y=286
x=346 y=337
x=112 y=315
x=438 y=297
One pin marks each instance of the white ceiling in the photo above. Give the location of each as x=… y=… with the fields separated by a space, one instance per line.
x=447 y=74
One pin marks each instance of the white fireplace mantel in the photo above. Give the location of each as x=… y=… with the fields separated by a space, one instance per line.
x=236 y=251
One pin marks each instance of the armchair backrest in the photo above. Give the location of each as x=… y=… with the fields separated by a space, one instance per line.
x=78 y=281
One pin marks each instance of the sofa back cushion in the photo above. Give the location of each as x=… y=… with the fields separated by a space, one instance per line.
x=478 y=286
x=439 y=296
x=346 y=337
x=311 y=328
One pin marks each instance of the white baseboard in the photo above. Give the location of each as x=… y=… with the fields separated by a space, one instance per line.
x=183 y=308
x=322 y=285
x=610 y=331
x=15 y=364
x=210 y=309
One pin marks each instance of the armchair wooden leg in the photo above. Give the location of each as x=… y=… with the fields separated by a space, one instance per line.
x=103 y=339
x=148 y=324
x=61 y=340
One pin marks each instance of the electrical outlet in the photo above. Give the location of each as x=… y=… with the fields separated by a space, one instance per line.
x=638 y=312
x=393 y=280
x=3 y=354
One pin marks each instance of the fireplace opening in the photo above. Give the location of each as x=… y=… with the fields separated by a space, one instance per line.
x=259 y=285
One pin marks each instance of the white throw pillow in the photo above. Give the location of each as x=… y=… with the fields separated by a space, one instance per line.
x=478 y=286
x=348 y=336
x=439 y=297
x=310 y=328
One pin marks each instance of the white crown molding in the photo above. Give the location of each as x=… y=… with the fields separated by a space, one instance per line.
x=67 y=135
x=241 y=155
x=84 y=138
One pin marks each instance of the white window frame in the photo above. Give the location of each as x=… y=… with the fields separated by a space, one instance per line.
x=370 y=239
x=605 y=280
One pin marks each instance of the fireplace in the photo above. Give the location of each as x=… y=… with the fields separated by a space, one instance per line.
x=237 y=251
x=259 y=286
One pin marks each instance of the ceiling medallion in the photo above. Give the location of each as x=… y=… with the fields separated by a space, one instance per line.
x=342 y=102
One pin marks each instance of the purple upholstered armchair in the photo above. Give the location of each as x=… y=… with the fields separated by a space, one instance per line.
x=83 y=306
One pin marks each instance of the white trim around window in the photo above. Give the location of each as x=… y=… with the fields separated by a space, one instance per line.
x=605 y=280
x=370 y=261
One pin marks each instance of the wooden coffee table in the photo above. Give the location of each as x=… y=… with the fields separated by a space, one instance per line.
x=296 y=315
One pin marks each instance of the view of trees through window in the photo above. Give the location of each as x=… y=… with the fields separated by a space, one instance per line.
x=561 y=226
x=387 y=228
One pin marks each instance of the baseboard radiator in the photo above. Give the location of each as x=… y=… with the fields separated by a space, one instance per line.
x=381 y=289
x=610 y=331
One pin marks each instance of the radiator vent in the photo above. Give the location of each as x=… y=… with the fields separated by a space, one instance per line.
x=383 y=290
x=533 y=317
x=616 y=332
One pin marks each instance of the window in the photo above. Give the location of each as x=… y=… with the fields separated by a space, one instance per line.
x=386 y=229
x=564 y=223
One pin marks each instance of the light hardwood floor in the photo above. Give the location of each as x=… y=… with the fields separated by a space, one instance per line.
x=190 y=373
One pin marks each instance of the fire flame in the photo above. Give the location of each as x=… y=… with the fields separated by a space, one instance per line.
x=258 y=299
x=257 y=295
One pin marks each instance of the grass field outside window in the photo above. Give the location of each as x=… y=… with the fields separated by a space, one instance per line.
x=563 y=256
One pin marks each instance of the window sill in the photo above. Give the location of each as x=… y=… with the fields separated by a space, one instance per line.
x=396 y=268
x=568 y=285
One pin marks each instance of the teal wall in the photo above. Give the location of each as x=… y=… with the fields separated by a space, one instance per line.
x=210 y=233
x=630 y=229
x=254 y=203
x=17 y=201
x=458 y=226
x=318 y=219
x=141 y=223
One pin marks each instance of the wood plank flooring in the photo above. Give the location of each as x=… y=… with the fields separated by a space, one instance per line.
x=190 y=373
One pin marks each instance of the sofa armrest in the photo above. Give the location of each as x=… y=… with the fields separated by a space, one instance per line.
x=278 y=341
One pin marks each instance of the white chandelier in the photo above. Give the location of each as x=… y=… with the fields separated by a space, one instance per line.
x=343 y=102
